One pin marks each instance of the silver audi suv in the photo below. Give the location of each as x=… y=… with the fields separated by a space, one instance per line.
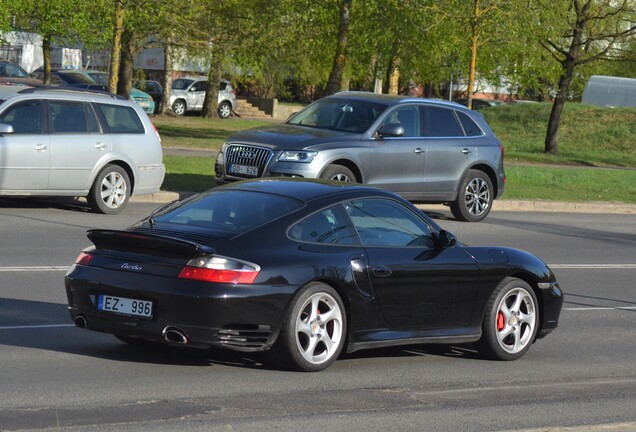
x=425 y=150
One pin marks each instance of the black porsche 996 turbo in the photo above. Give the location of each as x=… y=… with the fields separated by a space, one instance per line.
x=304 y=270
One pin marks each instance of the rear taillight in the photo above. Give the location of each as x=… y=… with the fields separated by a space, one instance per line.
x=502 y=150
x=156 y=131
x=220 y=270
x=84 y=259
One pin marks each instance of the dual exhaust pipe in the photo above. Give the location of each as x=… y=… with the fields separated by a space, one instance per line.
x=171 y=334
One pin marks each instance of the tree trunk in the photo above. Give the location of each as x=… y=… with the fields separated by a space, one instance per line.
x=211 y=101
x=167 y=77
x=124 y=83
x=115 y=51
x=335 y=82
x=46 y=54
x=474 y=44
x=568 y=65
x=393 y=75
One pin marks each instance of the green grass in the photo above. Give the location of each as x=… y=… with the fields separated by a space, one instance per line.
x=589 y=136
x=570 y=184
x=197 y=132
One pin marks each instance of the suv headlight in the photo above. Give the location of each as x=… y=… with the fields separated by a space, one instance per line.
x=297 y=156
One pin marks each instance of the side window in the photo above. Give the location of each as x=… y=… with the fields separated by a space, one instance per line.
x=67 y=117
x=93 y=124
x=25 y=117
x=120 y=119
x=440 y=122
x=470 y=127
x=200 y=86
x=407 y=117
x=382 y=222
x=329 y=226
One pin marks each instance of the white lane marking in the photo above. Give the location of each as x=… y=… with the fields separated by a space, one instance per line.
x=34 y=269
x=592 y=266
x=599 y=308
x=36 y=326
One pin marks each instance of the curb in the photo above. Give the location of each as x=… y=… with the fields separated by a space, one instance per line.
x=593 y=207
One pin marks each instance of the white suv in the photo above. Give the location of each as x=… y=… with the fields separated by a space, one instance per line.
x=61 y=142
x=188 y=94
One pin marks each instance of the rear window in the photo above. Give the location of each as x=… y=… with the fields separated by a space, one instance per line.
x=120 y=119
x=230 y=211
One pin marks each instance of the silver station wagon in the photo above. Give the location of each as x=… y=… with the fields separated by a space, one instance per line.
x=425 y=150
x=61 y=142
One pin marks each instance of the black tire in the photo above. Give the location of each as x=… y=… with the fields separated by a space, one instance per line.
x=475 y=197
x=110 y=191
x=510 y=322
x=311 y=345
x=338 y=173
x=224 y=109
x=179 y=107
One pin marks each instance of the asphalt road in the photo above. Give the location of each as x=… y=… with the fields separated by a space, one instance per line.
x=54 y=376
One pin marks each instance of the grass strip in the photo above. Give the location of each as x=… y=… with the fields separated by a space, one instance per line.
x=196 y=174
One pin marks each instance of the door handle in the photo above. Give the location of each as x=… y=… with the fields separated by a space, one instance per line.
x=417 y=150
x=381 y=271
x=466 y=151
x=40 y=147
x=100 y=146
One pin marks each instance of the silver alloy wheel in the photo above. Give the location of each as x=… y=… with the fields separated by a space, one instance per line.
x=341 y=177
x=225 y=110
x=477 y=196
x=319 y=328
x=178 y=107
x=114 y=190
x=516 y=320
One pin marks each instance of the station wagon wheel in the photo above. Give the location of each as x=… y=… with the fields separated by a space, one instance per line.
x=475 y=197
x=510 y=322
x=179 y=107
x=338 y=173
x=313 y=331
x=110 y=191
x=225 y=109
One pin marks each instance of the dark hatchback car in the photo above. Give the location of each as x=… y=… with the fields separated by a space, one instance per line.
x=425 y=150
x=303 y=270
x=12 y=74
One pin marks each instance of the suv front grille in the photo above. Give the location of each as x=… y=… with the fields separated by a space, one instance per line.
x=246 y=157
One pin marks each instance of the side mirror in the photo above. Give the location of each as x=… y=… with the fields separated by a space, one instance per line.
x=6 y=129
x=391 y=131
x=447 y=239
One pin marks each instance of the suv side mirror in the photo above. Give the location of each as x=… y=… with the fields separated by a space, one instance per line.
x=447 y=239
x=391 y=130
x=6 y=129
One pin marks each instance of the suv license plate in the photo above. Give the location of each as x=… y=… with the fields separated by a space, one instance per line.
x=125 y=306
x=244 y=169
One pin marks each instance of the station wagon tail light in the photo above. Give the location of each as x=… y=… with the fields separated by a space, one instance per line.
x=220 y=270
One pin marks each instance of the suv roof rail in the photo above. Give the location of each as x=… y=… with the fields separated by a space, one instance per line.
x=69 y=89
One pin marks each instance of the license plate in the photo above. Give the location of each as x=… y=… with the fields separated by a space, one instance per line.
x=244 y=169
x=124 y=305
x=144 y=104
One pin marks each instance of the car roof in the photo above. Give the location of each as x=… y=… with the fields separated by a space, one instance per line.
x=391 y=99
x=304 y=189
x=55 y=92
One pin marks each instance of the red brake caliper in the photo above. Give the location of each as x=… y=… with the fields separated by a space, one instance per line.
x=501 y=321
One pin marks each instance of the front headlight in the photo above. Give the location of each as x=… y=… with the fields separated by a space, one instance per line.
x=223 y=147
x=297 y=156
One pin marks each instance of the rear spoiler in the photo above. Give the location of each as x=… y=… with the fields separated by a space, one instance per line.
x=130 y=241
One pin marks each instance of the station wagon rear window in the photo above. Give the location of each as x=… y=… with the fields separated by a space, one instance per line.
x=120 y=119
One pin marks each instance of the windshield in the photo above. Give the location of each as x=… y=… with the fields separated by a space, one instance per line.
x=339 y=114
x=76 y=78
x=181 y=83
x=230 y=211
x=99 y=77
x=11 y=70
